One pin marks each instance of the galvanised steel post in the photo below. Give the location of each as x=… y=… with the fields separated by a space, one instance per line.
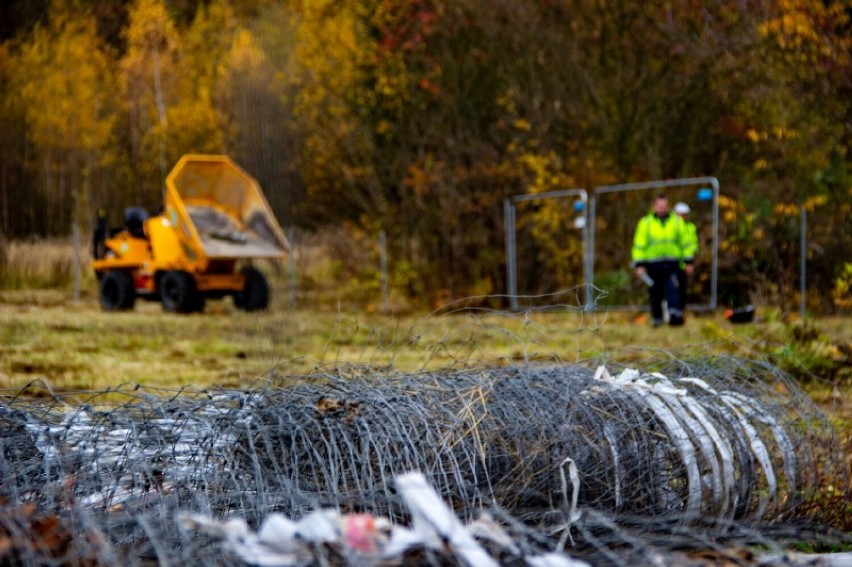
x=509 y=216
x=509 y=227
x=803 y=263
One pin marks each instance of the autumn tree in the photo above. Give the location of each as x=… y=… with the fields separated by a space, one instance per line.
x=256 y=96
x=332 y=48
x=798 y=141
x=420 y=116
x=13 y=144
x=65 y=85
x=149 y=78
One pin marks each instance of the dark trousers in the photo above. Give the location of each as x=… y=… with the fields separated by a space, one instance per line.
x=666 y=286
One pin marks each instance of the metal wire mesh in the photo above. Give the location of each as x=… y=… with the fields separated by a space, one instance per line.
x=698 y=448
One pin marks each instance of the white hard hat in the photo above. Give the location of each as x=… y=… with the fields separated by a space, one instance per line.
x=681 y=209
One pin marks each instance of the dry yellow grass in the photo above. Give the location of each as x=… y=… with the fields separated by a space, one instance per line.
x=43 y=264
x=45 y=335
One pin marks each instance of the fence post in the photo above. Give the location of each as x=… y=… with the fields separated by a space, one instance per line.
x=291 y=257
x=383 y=259
x=75 y=232
x=803 y=264
x=511 y=276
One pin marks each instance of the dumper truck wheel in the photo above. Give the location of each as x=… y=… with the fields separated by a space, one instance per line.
x=178 y=294
x=255 y=293
x=116 y=291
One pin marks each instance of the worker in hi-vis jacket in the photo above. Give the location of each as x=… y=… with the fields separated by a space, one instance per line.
x=660 y=244
x=683 y=211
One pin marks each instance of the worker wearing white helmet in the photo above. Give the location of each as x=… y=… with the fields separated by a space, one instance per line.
x=690 y=249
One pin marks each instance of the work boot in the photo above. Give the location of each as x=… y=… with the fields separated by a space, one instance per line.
x=676 y=320
x=657 y=323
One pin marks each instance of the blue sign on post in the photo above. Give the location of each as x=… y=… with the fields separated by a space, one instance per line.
x=705 y=194
x=579 y=205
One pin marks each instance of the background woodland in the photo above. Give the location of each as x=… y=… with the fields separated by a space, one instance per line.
x=418 y=117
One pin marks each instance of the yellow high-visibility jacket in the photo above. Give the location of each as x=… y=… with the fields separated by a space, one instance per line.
x=658 y=240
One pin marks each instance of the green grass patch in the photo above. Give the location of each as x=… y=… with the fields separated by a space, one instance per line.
x=52 y=344
x=47 y=335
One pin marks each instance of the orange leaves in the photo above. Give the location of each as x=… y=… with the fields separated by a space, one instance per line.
x=417 y=180
x=28 y=536
x=406 y=25
x=429 y=86
x=422 y=177
x=790 y=29
x=806 y=25
x=403 y=57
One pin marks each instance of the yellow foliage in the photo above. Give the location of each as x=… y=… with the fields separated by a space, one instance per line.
x=506 y=101
x=65 y=85
x=245 y=54
x=64 y=82
x=550 y=219
x=842 y=293
x=332 y=51
x=791 y=29
x=150 y=74
x=730 y=204
x=786 y=209
x=392 y=84
x=784 y=133
x=812 y=203
x=194 y=127
x=384 y=127
x=249 y=86
x=207 y=43
x=798 y=30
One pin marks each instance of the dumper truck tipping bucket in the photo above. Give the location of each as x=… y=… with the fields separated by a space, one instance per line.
x=221 y=210
x=215 y=221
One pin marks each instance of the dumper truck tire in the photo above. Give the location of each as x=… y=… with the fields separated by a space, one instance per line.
x=178 y=293
x=255 y=293
x=116 y=291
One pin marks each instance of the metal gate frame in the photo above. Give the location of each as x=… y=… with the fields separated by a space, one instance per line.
x=509 y=211
x=662 y=184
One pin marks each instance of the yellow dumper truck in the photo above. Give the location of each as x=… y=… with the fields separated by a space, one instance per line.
x=215 y=221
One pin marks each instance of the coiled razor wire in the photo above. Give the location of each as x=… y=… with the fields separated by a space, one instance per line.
x=706 y=448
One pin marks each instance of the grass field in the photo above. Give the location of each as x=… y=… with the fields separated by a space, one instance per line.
x=52 y=344
x=45 y=336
